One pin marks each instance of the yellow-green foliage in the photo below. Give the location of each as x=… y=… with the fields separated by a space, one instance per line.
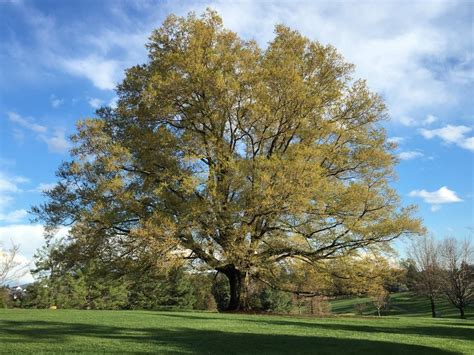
x=239 y=157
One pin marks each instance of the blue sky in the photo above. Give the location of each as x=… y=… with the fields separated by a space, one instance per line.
x=60 y=60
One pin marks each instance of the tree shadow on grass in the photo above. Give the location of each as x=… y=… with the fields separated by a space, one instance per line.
x=183 y=339
x=431 y=330
x=462 y=323
x=446 y=330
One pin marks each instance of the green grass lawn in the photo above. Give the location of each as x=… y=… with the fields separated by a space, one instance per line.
x=42 y=331
x=401 y=304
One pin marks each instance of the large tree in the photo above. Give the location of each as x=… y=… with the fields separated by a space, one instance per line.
x=237 y=157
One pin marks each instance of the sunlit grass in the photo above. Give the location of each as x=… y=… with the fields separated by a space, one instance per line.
x=400 y=304
x=40 y=331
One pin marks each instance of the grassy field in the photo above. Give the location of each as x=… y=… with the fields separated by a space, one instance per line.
x=46 y=331
x=401 y=304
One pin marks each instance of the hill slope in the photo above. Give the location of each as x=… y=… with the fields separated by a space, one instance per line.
x=401 y=304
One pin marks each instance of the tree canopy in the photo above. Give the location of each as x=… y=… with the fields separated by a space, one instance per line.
x=242 y=159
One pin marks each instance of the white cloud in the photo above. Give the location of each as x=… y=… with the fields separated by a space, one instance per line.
x=4 y=200
x=467 y=143
x=55 y=101
x=405 y=50
x=26 y=123
x=10 y=183
x=435 y=208
x=20 y=267
x=30 y=237
x=436 y=198
x=463 y=72
x=42 y=187
x=21 y=179
x=407 y=120
x=409 y=155
x=14 y=216
x=451 y=135
x=430 y=119
x=57 y=143
x=392 y=45
x=103 y=73
x=95 y=102
x=9 y=186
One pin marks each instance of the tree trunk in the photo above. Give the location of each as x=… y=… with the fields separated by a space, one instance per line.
x=461 y=310
x=237 y=288
x=433 y=310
